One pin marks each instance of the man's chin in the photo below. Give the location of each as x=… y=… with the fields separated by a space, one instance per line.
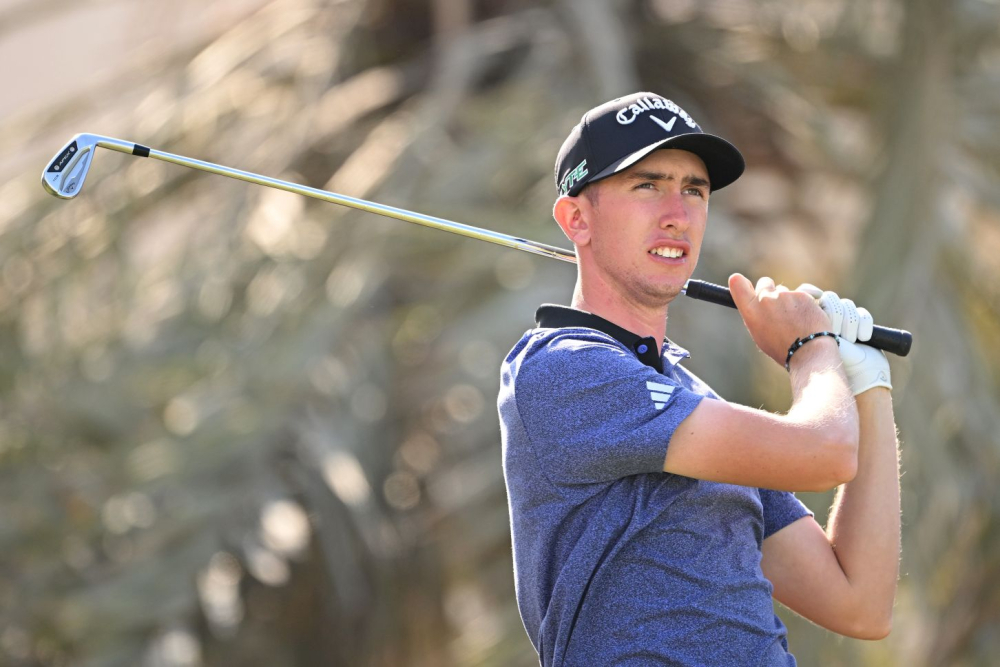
x=660 y=296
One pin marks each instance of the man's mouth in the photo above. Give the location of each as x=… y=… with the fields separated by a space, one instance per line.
x=672 y=253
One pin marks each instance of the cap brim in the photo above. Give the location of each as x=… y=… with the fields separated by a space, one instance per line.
x=723 y=161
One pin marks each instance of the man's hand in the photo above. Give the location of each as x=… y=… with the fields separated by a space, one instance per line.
x=865 y=366
x=776 y=316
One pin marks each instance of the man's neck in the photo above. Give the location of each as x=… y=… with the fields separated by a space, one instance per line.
x=639 y=319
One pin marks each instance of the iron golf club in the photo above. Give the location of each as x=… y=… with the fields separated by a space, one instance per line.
x=66 y=172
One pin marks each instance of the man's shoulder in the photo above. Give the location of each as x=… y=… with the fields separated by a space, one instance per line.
x=541 y=347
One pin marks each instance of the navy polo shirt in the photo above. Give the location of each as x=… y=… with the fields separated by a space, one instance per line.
x=615 y=561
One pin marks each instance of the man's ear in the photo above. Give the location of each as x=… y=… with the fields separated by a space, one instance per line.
x=572 y=214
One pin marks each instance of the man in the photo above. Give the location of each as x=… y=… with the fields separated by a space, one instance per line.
x=651 y=526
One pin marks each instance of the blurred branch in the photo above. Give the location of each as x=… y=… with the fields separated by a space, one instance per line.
x=603 y=42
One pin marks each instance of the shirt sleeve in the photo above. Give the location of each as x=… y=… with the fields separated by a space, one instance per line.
x=594 y=413
x=781 y=508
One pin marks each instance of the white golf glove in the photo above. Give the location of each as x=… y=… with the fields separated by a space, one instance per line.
x=866 y=367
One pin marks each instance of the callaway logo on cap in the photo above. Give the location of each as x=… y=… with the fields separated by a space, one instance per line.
x=615 y=135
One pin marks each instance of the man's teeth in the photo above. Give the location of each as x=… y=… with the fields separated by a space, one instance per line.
x=667 y=252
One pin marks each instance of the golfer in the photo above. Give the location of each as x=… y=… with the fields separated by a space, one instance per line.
x=652 y=521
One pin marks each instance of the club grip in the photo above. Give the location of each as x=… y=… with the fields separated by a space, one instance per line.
x=717 y=294
x=896 y=341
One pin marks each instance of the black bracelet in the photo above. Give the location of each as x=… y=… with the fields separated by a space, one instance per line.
x=799 y=342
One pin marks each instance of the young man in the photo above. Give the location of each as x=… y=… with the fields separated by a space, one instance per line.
x=651 y=526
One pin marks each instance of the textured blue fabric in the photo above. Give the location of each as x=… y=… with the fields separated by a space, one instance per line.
x=617 y=562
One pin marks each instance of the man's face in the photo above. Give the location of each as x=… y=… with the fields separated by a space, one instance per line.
x=646 y=226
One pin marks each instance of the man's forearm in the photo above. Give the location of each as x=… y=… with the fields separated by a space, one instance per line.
x=822 y=403
x=864 y=524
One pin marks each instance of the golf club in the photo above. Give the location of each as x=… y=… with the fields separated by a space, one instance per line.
x=66 y=172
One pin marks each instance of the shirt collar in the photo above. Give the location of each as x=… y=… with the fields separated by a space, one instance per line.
x=647 y=350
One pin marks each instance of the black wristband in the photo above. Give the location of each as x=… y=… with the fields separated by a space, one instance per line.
x=799 y=342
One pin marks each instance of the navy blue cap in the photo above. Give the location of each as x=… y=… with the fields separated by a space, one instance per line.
x=617 y=134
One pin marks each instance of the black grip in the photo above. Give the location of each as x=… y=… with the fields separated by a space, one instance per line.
x=717 y=294
x=896 y=341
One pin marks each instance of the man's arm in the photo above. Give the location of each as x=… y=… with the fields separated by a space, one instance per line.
x=844 y=579
x=811 y=448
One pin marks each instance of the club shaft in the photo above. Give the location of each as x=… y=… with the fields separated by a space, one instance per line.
x=498 y=238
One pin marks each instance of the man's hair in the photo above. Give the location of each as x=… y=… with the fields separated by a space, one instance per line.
x=592 y=192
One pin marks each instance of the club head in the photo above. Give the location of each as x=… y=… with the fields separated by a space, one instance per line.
x=66 y=172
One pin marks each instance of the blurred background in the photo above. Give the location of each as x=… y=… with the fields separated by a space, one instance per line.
x=239 y=427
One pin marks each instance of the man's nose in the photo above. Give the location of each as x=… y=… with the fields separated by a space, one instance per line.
x=674 y=214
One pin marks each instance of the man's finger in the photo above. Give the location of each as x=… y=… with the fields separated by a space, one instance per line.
x=741 y=289
x=764 y=284
x=849 y=328
x=830 y=303
x=810 y=289
x=866 y=325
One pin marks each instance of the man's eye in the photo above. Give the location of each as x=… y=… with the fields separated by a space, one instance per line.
x=695 y=191
x=645 y=185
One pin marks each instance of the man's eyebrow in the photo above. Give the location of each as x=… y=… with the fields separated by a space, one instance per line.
x=690 y=179
x=645 y=176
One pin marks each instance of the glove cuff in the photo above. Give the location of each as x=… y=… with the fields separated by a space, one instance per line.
x=869 y=380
